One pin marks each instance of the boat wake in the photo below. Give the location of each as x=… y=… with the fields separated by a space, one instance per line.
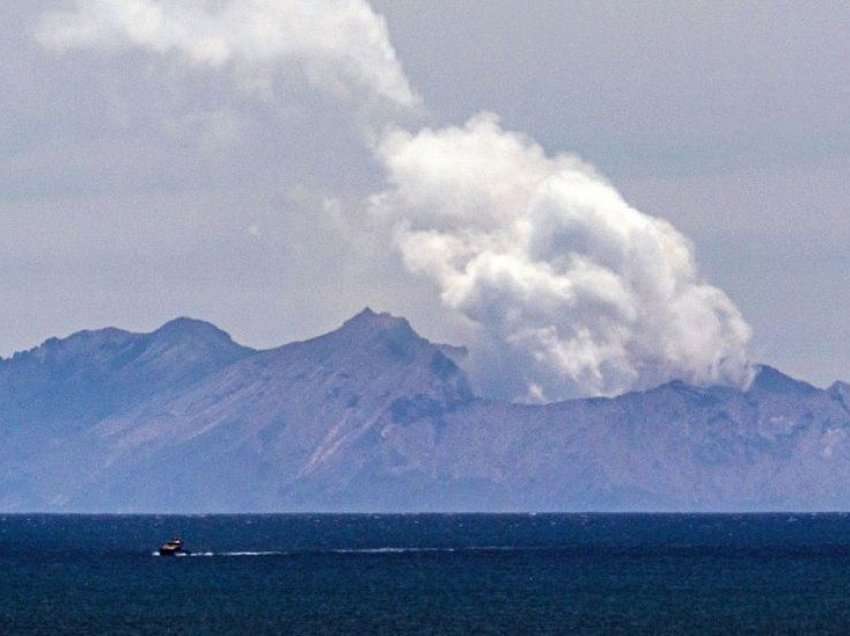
x=382 y=550
x=414 y=550
x=241 y=553
x=227 y=554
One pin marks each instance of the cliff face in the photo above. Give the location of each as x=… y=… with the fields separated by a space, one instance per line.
x=374 y=417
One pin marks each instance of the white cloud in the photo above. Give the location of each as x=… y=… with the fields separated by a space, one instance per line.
x=571 y=289
x=338 y=44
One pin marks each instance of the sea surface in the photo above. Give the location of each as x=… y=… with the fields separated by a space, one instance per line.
x=426 y=574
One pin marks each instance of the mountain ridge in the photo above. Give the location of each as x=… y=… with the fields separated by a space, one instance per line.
x=373 y=417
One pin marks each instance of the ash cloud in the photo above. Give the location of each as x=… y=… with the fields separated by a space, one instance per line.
x=570 y=291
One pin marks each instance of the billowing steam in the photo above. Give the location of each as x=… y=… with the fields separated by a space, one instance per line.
x=567 y=288
x=571 y=290
x=336 y=43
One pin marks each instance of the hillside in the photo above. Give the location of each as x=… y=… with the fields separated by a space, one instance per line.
x=372 y=417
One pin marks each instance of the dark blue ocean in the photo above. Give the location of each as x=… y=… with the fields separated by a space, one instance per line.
x=426 y=574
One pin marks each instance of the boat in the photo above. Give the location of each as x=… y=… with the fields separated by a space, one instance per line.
x=173 y=548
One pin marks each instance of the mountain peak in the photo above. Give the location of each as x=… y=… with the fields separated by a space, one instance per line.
x=368 y=319
x=184 y=328
x=772 y=380
x=185 y=323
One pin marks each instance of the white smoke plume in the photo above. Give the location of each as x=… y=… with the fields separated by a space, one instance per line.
x=570 y=289
x=336 y=43
x=567 y=289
